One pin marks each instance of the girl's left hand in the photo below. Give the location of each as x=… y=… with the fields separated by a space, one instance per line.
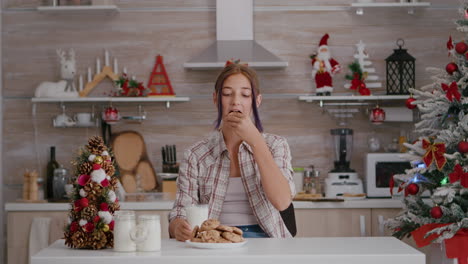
x=243 y=126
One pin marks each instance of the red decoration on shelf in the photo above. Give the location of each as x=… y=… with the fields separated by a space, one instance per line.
x=159 y=82
x=451 y=68
x=434 y=152
x=409 y=101
x=463 y=147
x=461 y=47
x=452 y=91
x=83 y=202
x=111 y=115
x=377 y=115
x=413 y=188
x=436 y=212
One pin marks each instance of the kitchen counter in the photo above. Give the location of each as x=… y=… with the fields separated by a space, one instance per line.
x=350 y=250
x=166 y=204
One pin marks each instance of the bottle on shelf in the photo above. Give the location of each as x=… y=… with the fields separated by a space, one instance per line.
x=51 y=166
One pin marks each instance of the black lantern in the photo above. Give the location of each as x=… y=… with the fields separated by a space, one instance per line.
x=400 y=71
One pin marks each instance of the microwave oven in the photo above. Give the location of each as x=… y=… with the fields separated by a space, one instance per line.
x=379 y=168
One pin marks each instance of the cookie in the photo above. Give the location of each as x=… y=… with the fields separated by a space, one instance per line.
x=195 y=231
x=224 y=228
x=232 y=237
x=222 y=240
x=196 y=239
x=210 y=236
x=237 y=230
x=209 y=224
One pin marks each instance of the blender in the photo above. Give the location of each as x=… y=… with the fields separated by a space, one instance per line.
x=342 y=179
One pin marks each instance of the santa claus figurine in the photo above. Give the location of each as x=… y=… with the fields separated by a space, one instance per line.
x=323 y=67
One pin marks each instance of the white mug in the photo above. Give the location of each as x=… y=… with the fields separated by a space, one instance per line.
x=83 y=118
x=63 y=120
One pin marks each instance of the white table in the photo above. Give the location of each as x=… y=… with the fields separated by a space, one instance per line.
x=336 y=250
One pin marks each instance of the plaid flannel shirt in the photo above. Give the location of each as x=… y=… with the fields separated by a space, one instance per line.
x=204 y=177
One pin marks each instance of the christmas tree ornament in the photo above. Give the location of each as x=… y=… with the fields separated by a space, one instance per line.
x=409 y=101
x=461 y=47
x=436 y=212
x=463 y=147
x=451 y=68
x=434 y=152
x=413 y=188
x=401 y=68
x=451 y=91
x=459 y=175
x=377 y=115
x=98 y=160
x=324 y=67
x=89 y=227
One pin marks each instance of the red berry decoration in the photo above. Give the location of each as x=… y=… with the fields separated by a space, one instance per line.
x=413 y=188
x=451 y=68
x=463 y=147
x=461 y=47
x=436 y=212
x=409 y=101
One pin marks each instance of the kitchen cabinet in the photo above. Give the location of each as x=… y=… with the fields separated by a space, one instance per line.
x=333 y=222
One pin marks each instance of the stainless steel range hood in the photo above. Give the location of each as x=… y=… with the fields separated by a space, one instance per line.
x=234 y=40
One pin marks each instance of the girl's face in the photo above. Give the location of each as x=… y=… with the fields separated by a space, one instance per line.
x=236 y=95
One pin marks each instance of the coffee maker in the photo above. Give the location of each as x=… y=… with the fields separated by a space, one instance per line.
x=342 y=179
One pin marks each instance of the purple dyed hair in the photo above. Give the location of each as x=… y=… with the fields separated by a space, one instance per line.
x=251 y=75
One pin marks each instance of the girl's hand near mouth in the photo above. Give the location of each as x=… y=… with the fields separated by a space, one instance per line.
x=242 y=126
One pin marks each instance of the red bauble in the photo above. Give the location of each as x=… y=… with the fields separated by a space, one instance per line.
x=408 y=103
x=436 y=212
x=73 y=227
x=461 y=47
x=96 y=166
x=89 y=227
x=83 y=202
x=377 y=115
x=463 y=147
x=451 y=68
x=413 y=188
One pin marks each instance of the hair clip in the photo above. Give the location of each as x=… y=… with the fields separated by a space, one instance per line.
x=238 y=61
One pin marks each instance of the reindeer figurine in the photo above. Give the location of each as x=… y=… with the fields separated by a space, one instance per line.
x=66 y=86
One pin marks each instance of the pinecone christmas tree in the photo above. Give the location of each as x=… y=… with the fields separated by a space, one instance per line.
x=440 y=159
x=94 y=200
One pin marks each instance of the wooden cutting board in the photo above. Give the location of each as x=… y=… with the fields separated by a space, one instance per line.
x=130 y=154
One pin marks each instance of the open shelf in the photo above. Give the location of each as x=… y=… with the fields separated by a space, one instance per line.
x=166 y=99
x=78 y=9
x=311 y=98
x=111 y=99
x=410 y=6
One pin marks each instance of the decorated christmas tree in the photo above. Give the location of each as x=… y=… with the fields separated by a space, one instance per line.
x=440 y=159
x=94 y=200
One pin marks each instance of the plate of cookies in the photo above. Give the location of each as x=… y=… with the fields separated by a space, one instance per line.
x=213 y=235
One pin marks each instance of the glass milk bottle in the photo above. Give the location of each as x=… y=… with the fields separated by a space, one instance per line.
x=123 y=225
x=147 y=234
